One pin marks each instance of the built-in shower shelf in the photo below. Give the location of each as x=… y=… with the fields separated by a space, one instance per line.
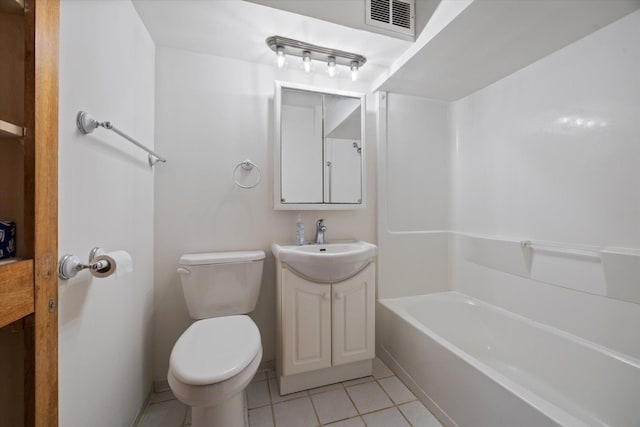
x=16 y=291
x=12 y=6
x=10 y=130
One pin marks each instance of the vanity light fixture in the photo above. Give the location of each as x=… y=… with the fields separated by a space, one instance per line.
x=354 y=70
x=283 y=46
x=306 y=61
x=331 y=66
x=281 y=57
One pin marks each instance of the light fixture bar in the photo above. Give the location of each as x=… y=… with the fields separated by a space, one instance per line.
x=318 y=53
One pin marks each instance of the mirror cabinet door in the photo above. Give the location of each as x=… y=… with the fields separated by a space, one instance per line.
x=342 y=150
x=320 y=149
x=301 y=147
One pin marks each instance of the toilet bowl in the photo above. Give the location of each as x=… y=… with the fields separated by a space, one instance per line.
x=215 y=359
x=210 y=366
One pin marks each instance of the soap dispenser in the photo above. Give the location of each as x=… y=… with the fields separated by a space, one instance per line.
x=299 y=231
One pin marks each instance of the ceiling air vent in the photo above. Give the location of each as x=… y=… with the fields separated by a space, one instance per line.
x=380 y=10
x=393 y=15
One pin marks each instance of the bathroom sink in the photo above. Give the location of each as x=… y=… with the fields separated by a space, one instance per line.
x=326 y=263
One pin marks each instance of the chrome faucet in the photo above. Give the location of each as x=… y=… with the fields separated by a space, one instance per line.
x=320 y=230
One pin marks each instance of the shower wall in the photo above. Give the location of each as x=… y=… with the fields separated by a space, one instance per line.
x=551 y=154
x=548 y=154
x=414 y=194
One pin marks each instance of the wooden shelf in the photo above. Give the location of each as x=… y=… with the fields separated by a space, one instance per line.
x=16 y=291
x=12 y=6
x=9 y=130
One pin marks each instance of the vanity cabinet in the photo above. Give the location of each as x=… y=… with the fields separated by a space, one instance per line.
x=306 y=324
x=323 y=327
x=353 y=320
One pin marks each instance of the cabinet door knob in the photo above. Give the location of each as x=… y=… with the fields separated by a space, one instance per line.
x=339 y=295
x=326 y=296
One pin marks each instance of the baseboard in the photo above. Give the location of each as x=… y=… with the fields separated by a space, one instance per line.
x=267 y=365
x=160 y=385
x=138 y=417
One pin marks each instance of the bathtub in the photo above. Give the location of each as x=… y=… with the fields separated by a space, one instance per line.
x=475 y=364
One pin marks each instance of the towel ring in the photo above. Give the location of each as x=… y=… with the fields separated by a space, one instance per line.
x=247 y=165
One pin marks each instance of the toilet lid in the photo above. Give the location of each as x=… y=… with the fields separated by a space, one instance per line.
x=220 y=257
x=214 y=350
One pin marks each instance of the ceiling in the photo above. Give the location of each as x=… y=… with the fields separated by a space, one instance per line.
x=490 y=39
x=238 y=29
x=464 y=46
x=351 y=13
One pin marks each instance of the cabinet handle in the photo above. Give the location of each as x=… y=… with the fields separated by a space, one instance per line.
x=339 y=295
x=326 y=296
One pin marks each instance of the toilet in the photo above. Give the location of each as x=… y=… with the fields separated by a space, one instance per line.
x=215 y=359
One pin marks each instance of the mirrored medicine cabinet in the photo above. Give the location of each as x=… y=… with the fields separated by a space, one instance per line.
x=319 y=148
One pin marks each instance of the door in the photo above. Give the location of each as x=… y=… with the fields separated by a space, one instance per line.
x=353 y=318
x=306 y=324
x=29 y=33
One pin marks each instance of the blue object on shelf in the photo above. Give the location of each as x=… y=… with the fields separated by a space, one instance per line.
x=7 y=239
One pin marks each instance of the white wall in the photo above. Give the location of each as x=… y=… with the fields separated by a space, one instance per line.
x=212 y=113
x=106 y=199
x=551 y=153
x=414 y=196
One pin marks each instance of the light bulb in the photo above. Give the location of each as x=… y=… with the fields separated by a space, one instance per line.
x=331 y=66
x=281 y=58
x=354 y=70
x=306 y=61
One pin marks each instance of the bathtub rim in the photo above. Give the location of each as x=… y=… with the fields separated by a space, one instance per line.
x=554 y=412
x=395 y=304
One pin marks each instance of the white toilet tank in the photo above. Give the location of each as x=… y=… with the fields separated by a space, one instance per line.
x=221 y=283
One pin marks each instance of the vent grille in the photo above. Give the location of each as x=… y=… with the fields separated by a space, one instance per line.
x=401 y=13
x=380 y=11
x=392 y=15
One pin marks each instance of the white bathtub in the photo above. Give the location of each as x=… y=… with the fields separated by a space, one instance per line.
x=474 y=364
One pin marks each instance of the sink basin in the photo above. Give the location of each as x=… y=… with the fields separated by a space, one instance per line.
x=327 y=263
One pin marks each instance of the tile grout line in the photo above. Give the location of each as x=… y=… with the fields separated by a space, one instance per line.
x=341 y=419
x=184 y=419
x=354 y=405
x=375 y=410
x=273 y=413
x=270 y=395
x=393 y=401
x=143 y=411
x=268 y=392
x=315 y=411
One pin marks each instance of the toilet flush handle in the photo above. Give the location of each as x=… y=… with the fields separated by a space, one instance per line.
x=182 y=270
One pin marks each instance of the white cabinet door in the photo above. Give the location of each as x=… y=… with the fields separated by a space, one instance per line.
x=306 y=324
x=353 y=318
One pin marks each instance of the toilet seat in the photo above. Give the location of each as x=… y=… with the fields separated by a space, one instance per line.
x=213 y=350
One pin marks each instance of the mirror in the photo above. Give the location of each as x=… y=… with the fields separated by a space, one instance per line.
x=319 y=145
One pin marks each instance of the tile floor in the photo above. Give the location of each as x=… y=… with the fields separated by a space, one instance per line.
x=381 y=400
